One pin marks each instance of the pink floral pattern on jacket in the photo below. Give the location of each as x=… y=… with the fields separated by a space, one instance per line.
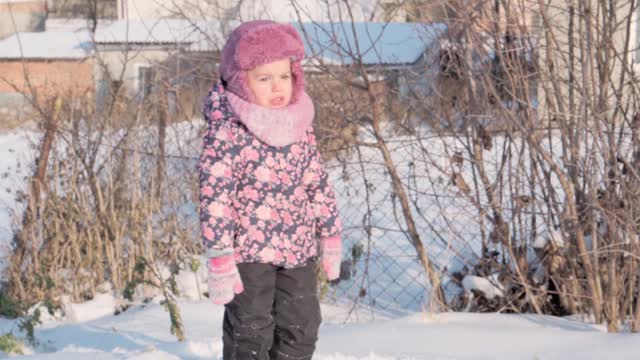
x=270 y=204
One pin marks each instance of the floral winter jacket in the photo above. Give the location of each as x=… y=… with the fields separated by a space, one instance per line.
x=269 y=204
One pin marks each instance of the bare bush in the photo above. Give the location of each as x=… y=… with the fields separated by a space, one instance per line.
x=515 y=166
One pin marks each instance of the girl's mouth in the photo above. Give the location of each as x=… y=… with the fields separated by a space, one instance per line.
x=278 y=101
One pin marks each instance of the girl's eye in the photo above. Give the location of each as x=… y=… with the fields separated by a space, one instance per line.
x=286 y=76
x=263 y=79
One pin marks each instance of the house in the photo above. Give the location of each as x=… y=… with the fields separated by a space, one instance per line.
x=134 y=53
x=41 y=65
x=21 y=15
x=181 y=55
x=383 y=48
x=558 y=28
x=136 y=56
x=399 y=59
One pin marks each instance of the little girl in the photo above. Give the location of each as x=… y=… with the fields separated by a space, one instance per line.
x=267 y=208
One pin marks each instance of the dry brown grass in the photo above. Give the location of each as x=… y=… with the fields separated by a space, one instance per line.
x=98 y=212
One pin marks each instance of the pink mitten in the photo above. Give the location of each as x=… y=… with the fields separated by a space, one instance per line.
x=331 y=248
x=224 y=279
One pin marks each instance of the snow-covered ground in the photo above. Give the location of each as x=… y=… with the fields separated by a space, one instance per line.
x=16 y=158
x=142 y=332
x=90 y=330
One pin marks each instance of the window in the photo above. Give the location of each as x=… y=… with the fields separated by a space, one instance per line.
x=145 y=81
x=115 y=85
x=172 y=102
x=451 y=62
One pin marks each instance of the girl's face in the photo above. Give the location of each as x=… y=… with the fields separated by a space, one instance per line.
x=271 y=84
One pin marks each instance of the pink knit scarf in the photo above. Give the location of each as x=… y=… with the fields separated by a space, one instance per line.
x=276 y=127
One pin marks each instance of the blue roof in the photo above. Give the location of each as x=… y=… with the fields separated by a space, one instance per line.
x=379 y=43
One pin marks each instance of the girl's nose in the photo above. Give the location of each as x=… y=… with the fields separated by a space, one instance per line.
x=275 y=87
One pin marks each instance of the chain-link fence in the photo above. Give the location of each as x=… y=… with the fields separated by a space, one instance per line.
x=382 y=267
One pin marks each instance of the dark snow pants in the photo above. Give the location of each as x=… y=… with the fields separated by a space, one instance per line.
x=276 y=317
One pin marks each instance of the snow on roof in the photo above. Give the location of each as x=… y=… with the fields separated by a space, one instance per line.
x=73 y=23
x=58 y=44
x=379 y=43
x=157 y=31
x=388 y=43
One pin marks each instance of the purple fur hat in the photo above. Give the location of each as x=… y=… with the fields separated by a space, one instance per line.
x=256 y=43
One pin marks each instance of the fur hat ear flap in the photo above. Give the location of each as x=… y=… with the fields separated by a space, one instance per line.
x=259 y=42
x=298 y=80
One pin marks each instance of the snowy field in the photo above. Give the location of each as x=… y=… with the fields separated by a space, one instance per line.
x=16 y=157
x=143 y=333
x=92 y=331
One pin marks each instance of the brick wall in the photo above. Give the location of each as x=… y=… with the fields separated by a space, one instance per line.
x=48 y=77
x=24 y=6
